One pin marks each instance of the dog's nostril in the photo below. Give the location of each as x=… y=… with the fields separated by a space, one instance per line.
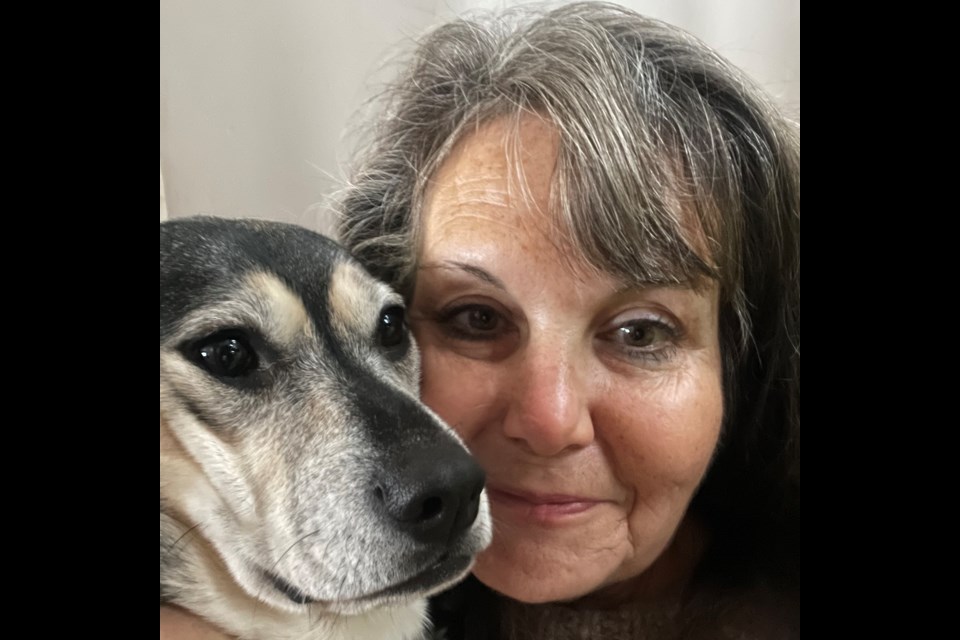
x=378 y=492
x=432 y=507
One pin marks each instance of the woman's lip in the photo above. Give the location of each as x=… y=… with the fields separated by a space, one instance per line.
x=538 y=498
x=540 y=506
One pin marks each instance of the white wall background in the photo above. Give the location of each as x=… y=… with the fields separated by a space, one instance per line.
x=257 y=97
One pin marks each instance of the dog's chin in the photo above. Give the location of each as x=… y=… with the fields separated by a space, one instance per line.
x=415 y=578
x=442 y=573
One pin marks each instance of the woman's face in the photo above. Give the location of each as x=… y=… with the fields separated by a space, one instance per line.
x=593 y=406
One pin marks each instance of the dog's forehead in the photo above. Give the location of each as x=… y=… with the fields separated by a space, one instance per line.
x=203 y=260
x=279 y=311
x=206 y=251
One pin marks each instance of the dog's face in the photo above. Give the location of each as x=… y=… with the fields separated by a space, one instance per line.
x=291 y=436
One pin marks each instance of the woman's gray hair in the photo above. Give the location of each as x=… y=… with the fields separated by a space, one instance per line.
x=673 y=168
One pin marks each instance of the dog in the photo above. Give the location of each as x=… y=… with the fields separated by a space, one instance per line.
x=305 y=492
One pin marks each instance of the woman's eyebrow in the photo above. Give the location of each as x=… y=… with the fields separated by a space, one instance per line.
x=469 y=269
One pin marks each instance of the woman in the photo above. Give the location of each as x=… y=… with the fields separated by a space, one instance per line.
x=595 y=220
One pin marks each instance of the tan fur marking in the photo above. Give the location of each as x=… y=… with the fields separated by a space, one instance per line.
x=353 y=295
x=285 y=316
x=181 y=479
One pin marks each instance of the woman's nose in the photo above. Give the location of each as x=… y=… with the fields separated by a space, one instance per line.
x=548 y=408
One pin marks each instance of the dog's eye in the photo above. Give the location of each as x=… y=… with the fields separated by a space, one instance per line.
x=392 y=329
x=227 y=354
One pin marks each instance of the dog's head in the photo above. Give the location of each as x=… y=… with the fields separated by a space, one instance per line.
x=291 y=436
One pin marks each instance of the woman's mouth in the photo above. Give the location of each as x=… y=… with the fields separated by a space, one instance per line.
x=542 y=508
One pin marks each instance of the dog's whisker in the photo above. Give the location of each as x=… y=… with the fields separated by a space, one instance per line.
x=355 y=568
x=273 y=569
x=344 y=573
x=295 y=543
x=183 y=536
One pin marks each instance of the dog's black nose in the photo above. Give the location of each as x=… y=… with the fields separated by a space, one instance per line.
x=432 y=493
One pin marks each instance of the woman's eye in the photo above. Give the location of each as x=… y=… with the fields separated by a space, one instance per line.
x=473 y=322
x=477 y=330
x=643 y=339
x=642 y=334
x=480 y=318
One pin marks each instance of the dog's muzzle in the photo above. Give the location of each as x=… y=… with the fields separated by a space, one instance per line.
x=431 y=493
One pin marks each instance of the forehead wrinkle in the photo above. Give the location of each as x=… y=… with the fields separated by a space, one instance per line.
x=447 y=224
x=490 y=165
x=474 y=190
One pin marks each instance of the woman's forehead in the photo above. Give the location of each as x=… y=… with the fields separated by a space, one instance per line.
x=501 y=178
x=494 y=186
x=500 y=163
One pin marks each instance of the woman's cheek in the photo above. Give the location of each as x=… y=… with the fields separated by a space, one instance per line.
x=455 y=390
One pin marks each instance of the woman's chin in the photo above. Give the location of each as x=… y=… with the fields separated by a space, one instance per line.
x=554 y=568
x=531 y=582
